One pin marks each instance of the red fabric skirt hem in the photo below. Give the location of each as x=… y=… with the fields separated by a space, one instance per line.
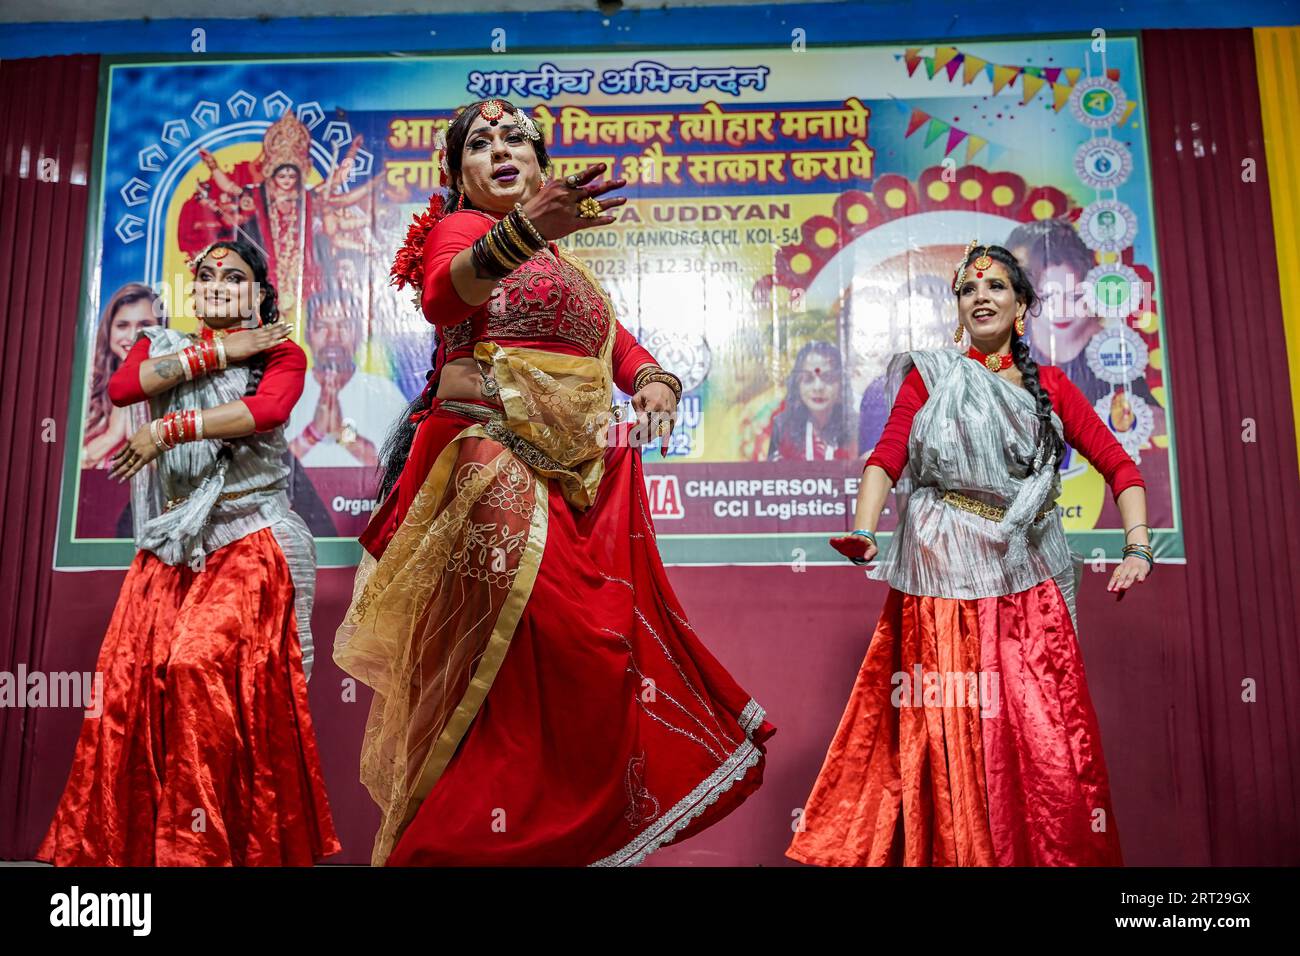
x=969 y=739
x=204 y=754
x=610 y=730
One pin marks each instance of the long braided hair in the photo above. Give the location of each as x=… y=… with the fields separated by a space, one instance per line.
x=268 y=307
x=397 y=446
x=1049 y=440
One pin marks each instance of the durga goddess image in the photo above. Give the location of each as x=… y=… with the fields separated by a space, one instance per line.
x=268 y=202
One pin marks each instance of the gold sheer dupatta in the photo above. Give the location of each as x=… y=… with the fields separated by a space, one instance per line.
x=432 y=619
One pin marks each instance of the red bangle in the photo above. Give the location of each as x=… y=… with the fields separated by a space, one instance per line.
x=191 y=357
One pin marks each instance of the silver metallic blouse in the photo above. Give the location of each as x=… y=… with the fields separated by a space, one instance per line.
x=203 y=495
x=976 y=436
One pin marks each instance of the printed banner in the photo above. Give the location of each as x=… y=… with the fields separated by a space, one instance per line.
x=794 y=219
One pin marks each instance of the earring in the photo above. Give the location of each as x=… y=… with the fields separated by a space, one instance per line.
x=1020 y=323
x=961 y=330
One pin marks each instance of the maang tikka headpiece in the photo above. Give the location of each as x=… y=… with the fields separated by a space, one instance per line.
x=981 y=262
x=494 y=110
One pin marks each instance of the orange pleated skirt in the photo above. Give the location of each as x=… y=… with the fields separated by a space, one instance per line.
x=969 y=739
x=204 y=753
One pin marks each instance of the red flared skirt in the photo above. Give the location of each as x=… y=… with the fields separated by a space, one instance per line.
x=969 y=740
x=204 y=753
x=610 y=730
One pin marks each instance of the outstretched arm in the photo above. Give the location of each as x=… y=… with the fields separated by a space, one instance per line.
x=882 y=470
x=1088 y=434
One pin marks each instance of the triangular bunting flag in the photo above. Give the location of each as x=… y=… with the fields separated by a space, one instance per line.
x=1051 y=73
x=912 y=57
x=971 y=68
x=942 y=54
x=1032 y=85
x=1113 y=74
x=973 y=145
x=937 y=128
x=929 y=66
x=1034 y=71
x=1072 y=74
x=1060 y=96
x=955 y=136
x=915 y=123
x=953 y=65
x=1002 y=75
x=988 y=68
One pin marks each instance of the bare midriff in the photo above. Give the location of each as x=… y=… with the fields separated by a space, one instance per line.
x=460 y=380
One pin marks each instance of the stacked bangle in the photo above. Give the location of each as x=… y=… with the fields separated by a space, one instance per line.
x=507 y=245
x=870 y=536
x=528 y=224
x=176 y=427
x=1142 y=551
x=653 y=373
x=202 y=358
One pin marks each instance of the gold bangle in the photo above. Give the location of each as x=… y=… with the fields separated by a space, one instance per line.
x=515 y=238
x=528 y=224
x=666 y=378
x=639 y=379
x=503 y=260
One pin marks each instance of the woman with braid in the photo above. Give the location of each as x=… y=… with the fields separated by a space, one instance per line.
x=970 y=738
x=203 y=753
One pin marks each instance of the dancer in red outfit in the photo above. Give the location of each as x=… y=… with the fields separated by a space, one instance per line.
x=204 y=753
x=540 y=697
x=970 y=738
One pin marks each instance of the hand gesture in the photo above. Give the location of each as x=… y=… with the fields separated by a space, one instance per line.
x=135 y=454
x=1132 y=570
x=656 y=408
x=554 y=210
x=857 y=548
x=248 y=342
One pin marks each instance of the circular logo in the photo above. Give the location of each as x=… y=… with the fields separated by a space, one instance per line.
x=1103 y=163
x=1098 y=102
x=1107 y=225
x=1115 y=291
x=1117 y=355
x=686 y=356
x=1130 y=419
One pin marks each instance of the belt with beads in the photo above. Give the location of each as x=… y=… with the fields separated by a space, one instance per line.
x=224 y=496
x=494 y=424
x=983 y=508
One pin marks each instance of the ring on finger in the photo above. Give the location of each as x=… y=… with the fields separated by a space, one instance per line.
x=589 y=208
x=571 y=180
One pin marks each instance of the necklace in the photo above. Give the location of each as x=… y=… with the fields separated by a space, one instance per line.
x=993 y=361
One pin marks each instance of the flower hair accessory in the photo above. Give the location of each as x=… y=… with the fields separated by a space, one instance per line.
x=408 y=264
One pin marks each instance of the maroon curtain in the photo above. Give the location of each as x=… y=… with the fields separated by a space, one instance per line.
x=1239 y=498
x=1199 y=775
x=47 y=127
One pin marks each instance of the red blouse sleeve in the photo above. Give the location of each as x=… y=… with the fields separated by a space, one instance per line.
x=628 y=356
x=124 y=385
x=890 y=452
x=439 y=299
x=280 y=387
x=1088 y=434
